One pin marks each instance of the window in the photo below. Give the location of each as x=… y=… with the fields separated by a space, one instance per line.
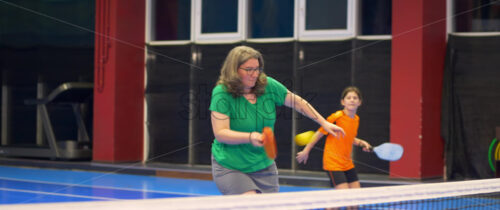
x=219 y=20
x=170 y=20
x=476 y=16
x=271 y=18
x=326 y=19
x=375 y=17
x=226 y=21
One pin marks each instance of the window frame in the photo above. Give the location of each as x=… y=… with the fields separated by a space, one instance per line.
x=299 y=32
x=150 y=27
x=333 y=34
x=199 y=37
x=451 y=23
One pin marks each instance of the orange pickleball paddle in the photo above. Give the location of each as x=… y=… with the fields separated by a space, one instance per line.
x=269 y=143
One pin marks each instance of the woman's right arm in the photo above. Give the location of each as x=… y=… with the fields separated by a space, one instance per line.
x=224 y=134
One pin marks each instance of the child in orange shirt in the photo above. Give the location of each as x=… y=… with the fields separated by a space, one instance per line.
x=337 y=160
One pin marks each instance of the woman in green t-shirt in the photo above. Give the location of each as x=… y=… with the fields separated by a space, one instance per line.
x=243 y=103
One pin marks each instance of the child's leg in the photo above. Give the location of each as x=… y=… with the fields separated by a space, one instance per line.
x=355 y=184
x=352 y=178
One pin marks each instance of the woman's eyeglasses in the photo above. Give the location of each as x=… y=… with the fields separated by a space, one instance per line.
x=252 y=70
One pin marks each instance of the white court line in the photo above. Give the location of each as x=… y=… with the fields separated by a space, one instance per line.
x=100 y=187
x=58 y=194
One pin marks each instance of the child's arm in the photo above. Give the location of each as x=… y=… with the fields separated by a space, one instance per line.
x=362 y=143
x=303 y=155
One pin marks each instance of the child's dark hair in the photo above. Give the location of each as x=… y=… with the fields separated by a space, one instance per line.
x=352 y=89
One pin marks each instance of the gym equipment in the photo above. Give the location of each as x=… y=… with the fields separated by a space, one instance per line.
x=72 y=94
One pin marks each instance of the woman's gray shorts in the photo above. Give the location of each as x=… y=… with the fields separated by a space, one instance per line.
x=231 y=182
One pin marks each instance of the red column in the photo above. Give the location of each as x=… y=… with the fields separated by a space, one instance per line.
x=418 y=53
x=119 y=81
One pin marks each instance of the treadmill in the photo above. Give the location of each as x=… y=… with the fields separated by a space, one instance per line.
x=72 y=94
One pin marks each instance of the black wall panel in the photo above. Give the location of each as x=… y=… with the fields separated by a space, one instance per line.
x=372 y=75
x=167 y=97
x=317 y=71
x=322 y=75
x=204 y=79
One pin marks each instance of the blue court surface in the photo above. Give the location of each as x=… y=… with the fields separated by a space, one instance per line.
x=50 y=189
x=34 y=185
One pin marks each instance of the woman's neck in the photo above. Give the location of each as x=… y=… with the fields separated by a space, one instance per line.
x=250 y=97
x=247 y=90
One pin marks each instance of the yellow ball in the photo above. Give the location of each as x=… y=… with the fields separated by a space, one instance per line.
x=304 y=138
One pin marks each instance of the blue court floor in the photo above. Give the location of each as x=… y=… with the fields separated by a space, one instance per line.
x=50 y=189
x=33 y=185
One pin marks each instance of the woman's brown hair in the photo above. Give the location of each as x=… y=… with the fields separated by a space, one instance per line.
x=229 y=72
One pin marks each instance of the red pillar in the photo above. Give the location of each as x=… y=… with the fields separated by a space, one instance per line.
x=119 y=81
x=418 y=53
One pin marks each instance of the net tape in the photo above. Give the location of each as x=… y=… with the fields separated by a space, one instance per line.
x=292 y=200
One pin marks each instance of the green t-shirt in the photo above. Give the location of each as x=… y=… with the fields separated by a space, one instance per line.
x=246 y=117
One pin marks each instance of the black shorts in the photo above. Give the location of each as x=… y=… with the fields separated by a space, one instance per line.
x=339 y=177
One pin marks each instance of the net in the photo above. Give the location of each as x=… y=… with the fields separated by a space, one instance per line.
x=476 y=194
